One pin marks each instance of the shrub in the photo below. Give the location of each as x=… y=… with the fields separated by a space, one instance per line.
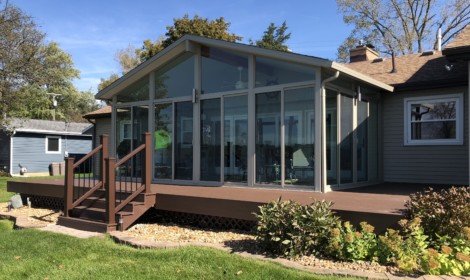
x=442 y=213
x=4 y=174
x=405 y=248
x=288 y=228
x=345 y=243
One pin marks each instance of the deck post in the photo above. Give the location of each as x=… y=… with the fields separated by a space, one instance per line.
x=68 y=201
x=147 y=170
x=110 y=190
x=104 y=141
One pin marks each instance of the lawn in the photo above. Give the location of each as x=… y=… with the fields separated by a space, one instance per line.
x=4 y=195
x=34 y=254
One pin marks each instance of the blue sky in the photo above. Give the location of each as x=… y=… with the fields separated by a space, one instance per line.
x=93 y=30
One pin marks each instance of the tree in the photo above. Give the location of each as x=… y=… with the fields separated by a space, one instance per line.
x=274 y=38
x=215 y=29
x=402 y=26
x=20 y=42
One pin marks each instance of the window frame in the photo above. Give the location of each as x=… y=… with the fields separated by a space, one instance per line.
x=459 y=120
x=47 y=144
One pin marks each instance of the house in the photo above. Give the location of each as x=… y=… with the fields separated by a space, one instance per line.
x=35 y=144
x=376 y=125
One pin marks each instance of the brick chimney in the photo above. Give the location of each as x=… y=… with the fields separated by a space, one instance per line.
x=363 y=53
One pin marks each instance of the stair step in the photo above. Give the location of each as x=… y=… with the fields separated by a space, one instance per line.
x=87 y=225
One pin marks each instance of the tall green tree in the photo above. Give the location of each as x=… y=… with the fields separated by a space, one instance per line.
x=402 y=26
x=275 y=38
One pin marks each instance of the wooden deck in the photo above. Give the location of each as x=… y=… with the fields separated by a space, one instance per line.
x=373 y=204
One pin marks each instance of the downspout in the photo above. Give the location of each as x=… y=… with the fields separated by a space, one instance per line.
x=323 y=130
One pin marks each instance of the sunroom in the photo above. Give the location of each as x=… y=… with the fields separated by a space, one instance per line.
x=228 y=114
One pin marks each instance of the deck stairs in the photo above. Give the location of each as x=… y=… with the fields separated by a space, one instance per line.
x=114 y=199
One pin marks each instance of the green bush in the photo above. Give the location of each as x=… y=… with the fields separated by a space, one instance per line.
x=405 y=248
x=4 y=174
x=346 y=243
x=288 y=228
x=442 y=213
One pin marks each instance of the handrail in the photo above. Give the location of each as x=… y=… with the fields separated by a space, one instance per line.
x=130 y=155
x=70 y=202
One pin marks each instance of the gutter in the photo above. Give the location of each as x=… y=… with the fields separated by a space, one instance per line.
x=323 y=130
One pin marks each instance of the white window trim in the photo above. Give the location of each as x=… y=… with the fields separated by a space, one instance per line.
x=47 y=145
x=458 y=98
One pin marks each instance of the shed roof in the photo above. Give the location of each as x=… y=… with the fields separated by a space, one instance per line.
x=459 y=48
x=48 y=127
x=100 y=113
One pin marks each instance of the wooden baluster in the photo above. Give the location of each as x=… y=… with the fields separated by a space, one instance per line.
x=103 y=155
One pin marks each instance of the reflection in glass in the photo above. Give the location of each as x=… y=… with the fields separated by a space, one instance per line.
x=184 y=141
x=268 y=138
x=235 y=138
x=331 y=137
x=274 y=72
x=299 y=127
x=136 y=92
x=346 y=145
x=362 y=141
x=175 y=79
x=223 y=70
x=210 y=140
x=372 y=142
x=163 y=140
x=123 y=131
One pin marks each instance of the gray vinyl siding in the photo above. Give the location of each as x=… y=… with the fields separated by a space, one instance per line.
x=421 y=164
x=29 y=150
x=102 y=126
x=4 y=152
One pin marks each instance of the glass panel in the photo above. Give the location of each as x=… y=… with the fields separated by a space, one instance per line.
x=346 y=145
x=163 y=140
x=273 y=72
x=183 y=141
x=362 y=144
x=434 y=130
x=434 y=111
x=331 y=137
x=210 y=140
x=175 y=79
x=139 y=127
x=299 y=128
x=123 y=132
x=136 y=92
x=268 y=138
x=223 y=70
x=372 y=143
x=235 y=138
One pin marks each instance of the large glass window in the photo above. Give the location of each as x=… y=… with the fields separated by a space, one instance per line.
x=299 y=127
x=136 y=92
x=235 y=138
x=210 y=140
x=434 y=120
x=123 y=131
x=362 y=141
x=175 y=79
x=331 y=137
x=268 y=138
x=163 y=141
x=183 y=141
x=223 y=70
x=274 y=72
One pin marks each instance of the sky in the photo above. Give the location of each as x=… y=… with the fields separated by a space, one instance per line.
x=91 y=31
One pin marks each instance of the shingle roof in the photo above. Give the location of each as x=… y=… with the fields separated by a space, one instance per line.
x=102 y=112
x=461 y=40
x=47 y=127
x=414 y=70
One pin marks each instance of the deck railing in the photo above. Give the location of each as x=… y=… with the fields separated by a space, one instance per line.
x=81 y=180
x=123 y=177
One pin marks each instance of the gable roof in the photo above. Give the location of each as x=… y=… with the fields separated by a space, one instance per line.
x=189 y=43
x=459 y=48
x=415 y=71
x=48 y=127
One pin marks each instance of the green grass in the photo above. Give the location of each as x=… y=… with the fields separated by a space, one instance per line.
x=5 y=196
x=33 y=254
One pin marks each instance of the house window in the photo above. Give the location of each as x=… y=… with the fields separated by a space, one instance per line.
x=52 y=145
x=434 y=120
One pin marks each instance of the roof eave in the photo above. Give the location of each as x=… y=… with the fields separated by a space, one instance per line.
x=362 y=77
